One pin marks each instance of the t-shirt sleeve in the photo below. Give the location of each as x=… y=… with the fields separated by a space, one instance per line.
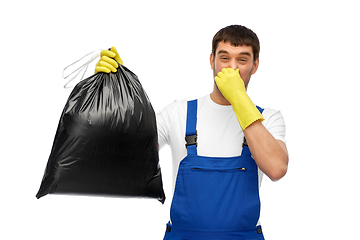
x=163 y=121
x=275 y=123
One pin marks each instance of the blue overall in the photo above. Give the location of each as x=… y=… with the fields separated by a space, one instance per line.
x=214 y=197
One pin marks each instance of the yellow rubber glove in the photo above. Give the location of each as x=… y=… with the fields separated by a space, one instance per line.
x=233 y=89
x=108 y=62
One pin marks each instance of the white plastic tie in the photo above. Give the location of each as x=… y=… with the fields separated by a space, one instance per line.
x=80 y=66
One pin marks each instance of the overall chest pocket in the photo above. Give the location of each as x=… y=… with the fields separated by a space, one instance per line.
x=220 y=169
x=225 y=185
x=217 y=197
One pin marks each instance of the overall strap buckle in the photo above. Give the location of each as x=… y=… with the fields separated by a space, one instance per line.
x=245 y=142
x=191 y=140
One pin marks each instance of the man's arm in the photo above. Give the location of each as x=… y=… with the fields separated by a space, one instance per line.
x=270 y=154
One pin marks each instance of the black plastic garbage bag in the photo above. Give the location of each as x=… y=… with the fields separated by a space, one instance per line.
x=106 y=142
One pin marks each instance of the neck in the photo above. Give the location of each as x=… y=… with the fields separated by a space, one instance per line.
x=217 y=97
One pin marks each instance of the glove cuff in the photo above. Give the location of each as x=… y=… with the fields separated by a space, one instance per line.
x=246 y=112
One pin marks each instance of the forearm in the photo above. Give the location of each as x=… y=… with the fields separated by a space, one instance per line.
x=270 y=154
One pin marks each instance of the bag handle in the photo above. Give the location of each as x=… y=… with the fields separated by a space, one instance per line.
x=80 y=65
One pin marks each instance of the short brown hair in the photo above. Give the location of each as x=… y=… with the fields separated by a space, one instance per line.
x=237 y=35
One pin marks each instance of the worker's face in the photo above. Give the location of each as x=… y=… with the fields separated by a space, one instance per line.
x=229 y=56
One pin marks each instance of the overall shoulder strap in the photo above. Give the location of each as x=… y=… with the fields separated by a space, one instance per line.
x=260 y=109
x=191 y=133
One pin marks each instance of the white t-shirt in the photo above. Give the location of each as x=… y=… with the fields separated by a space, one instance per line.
x=219 y=132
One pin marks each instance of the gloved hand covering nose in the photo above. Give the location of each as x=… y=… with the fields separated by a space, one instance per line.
x=108 y=62
x=232 y=88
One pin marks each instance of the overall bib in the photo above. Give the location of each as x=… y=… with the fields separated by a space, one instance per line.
x=214 y=197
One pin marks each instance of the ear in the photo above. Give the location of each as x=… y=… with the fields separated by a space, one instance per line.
x=212 y=61
x=255 y=66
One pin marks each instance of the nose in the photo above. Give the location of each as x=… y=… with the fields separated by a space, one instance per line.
x=233 y=64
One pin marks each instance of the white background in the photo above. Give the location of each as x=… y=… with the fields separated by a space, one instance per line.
x=309 y=69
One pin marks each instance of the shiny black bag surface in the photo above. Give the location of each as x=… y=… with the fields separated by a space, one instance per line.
x=106 y=142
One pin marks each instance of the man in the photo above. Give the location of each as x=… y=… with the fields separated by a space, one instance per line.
x=221 y=145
